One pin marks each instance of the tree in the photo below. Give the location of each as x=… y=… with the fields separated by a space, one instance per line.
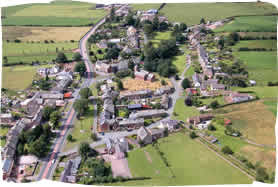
x=70 y=138
x=129 y=20
x=61 y=58
x=155 y=23
x=94 y=137
x=202 y=21
x=166 y=132
x=54 y=118
x=120 y=85
x=214 y=104
x=188 y=101
x=211 y=127
x=163 y=82
x=46 y=112
x=193 y=135
x=261 y=174
x=185 y=83
x=148 y=29
x=163 y=26
x=5 y=60
x=77 y=57
x=81 y=106
x=112 y=53
x=227 y=150
x=112 y=14
x=183 y=27
x=80 y=67
x=84 y=150
x=85 y=93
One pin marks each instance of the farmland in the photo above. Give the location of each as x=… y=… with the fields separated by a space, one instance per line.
x=250 y=24
x=260 y=65
x=251 y=44
x=191 y=13
x=145 y=6
x=188 y=167
x=53 y=14
x=57 y=34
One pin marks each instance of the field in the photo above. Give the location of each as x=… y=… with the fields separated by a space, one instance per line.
x=253 y=119
x=260 y=65
x=160 y=36
x=267 y=44
x=191 y=13
x=81 y=131
x=191 y=164
x=183 y=112
x=145 y=6
x=52 y=14
x=179 y=62
x=250 y=24
x=131 y=84
x=18 y=77
x=56 y=34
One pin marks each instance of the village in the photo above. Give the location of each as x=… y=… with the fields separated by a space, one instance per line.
x=130 y=94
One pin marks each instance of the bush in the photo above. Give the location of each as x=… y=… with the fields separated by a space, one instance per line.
x=193 y=135
x=261 y=174
x=211 y=128
x=70 y=138
x=185 y=83
x=214 y=104
x=227 y=150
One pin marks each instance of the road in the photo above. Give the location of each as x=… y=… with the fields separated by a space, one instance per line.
x=48 y=165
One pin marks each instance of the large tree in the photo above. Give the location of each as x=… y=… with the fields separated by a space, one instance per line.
x=148 y=29
x=81 y=106
x=61 y=58
x=185 y=83
x=80 y=67
x=85 y=93
x=77 y=57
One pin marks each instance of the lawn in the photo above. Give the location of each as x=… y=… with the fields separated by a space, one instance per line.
x=56 y=34
x=267 y=44
x=191 y=13
x=219 y=99
x=179 y=62
x=253 y=119
x=22 y=49
x=18 y=77
x=182 y=111
x=191 y=163
x=250 y=24
x=82 y=131
x=159 y=36
x=145 y=6
x=261 y=66
x=53 y=14
x=190 y=71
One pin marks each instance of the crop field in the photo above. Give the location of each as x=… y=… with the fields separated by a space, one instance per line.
x=267 y=44
x=191 y=13
x=253 y=119
x=187 y=163
x=145 y=6
x=258 y=34
x=250 y=24
x=182 y=111
x=261 y=66
x=21 y=49
x=57 y=34
x=51 y=14
x=18 y=77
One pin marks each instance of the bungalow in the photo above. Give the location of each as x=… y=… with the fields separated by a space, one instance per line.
x=198 y=119
x=148 y=114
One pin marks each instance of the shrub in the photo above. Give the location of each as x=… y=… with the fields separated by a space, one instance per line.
x=193 y=135
x=227 y=150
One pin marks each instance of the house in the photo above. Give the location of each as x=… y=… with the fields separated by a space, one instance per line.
x=152 y=11
x=217 y=86
x=123 y=65
x=134 y=106
x=144 y=135
x=151 y=77
x=127 y=50
x=70 y=171
x=6 y=118
x=165 y=101
x=117 y=147
x=156 y=133
x=238 y=97
x=7 y=167
x=103 y=67
x=60 y=103
x=130 y=124
x=164 y=90
x=115 y=40
x=141 y=74
x=196 y=80
x=198 y=119
x=131 y=31
x=170 y=124
x=136 y=94
x=191 y=91
x=68 y=95
x=252 y=82
x=102 y=44
x=148 y=114
x=52 y=95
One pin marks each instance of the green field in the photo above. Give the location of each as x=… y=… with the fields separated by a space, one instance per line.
x=180 y=62
x=267 y=44
x=18 y=77
x=145 y=6
x=51 y=14
x=191 y=164
x=183 y=111
x=261 y=66
x=159 y=36
x=191 y=13
x=250 y=24
x=81 y=131
x=22 y=49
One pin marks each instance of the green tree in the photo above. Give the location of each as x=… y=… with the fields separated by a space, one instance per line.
x=94 y=137
x=214 y=104
x=77 y=57
x=46 y=112
x=148 y=29
x=202 y=21
x=261 y=174
x=84 y=150
x=129 y=20
x=227 y=150
x=120 y=85
x=193 y=135
x=185 y=83
x=61 y=58
x=5 y=60
x=54 y=118
x=80 y=67
x=81 y=106
x=155 y=23
x=85 y=93
x=211 y=127
x=70 y=138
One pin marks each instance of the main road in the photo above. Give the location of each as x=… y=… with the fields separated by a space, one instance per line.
x=49 y=162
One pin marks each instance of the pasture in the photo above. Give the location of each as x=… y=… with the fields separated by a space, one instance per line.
x=250 y=24
x=51 y=14
x=251 y=44
x=57 y=34
x=145 y=6
x=191 y=163
x=191 y=13
x=182 y=112
x=261 y=66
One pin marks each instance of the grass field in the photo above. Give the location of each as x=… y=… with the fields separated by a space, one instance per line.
x=179 y=62
x=250 y=24
x=43 y=33
x=182 y=111
x=145 y=6
x=261 y=66
x=191 y=13
x=191 y=163
x=81 y=131
x=253 y=119
x=54 y=13
x=18 y=77
x=267 y=44
x=159 y=36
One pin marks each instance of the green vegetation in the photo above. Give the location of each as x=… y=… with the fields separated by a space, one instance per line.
x=188 y=167
x=159 y=36
x=250 y=24
x=53 y=14
x=145 y=6
x=251 y=44
x=182 y=111
x=180 y=62
x=261 y=66
x=191 y=13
